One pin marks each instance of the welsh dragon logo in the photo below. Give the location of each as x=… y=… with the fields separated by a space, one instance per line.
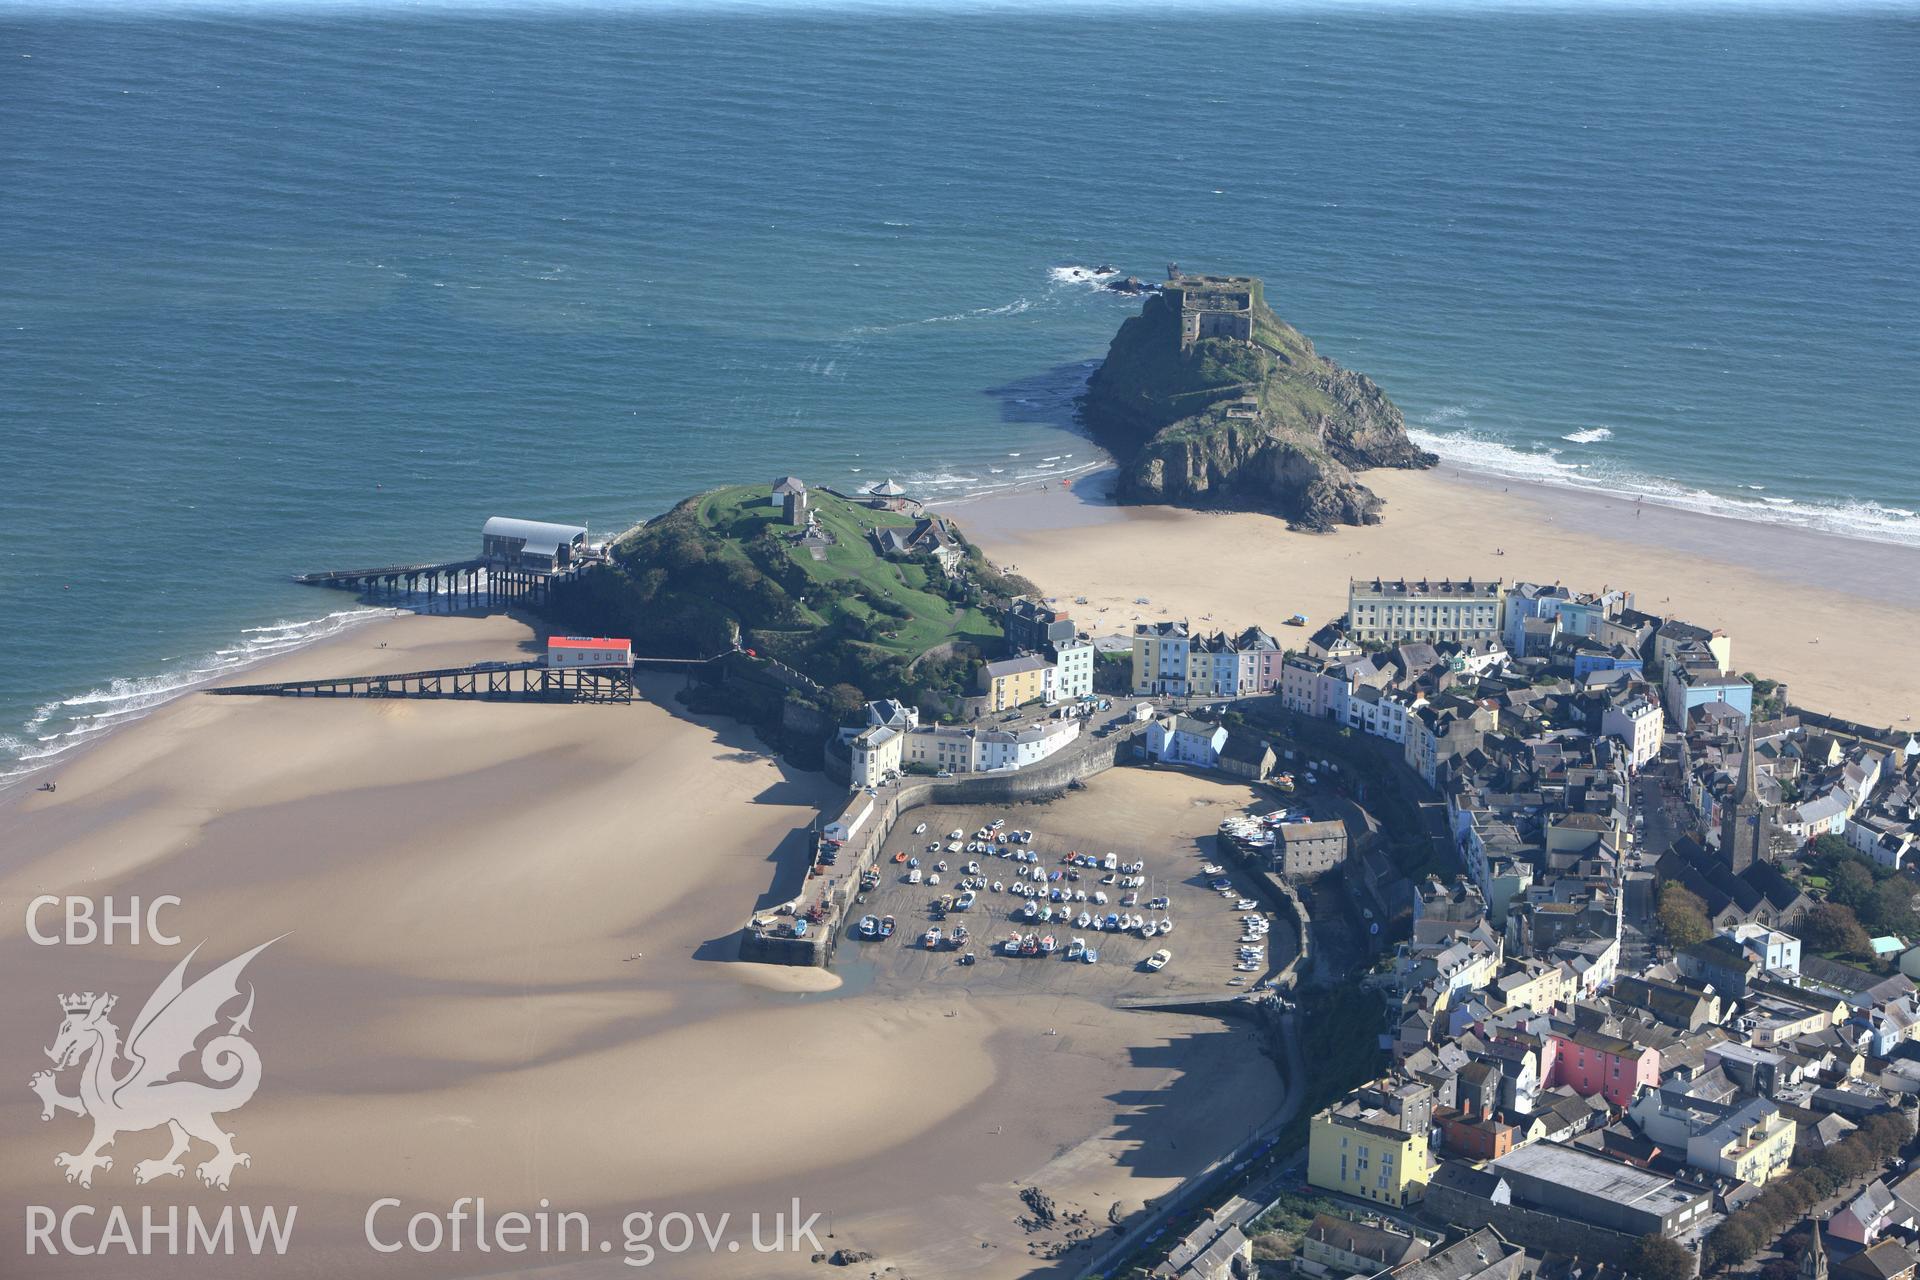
x=146 y=1094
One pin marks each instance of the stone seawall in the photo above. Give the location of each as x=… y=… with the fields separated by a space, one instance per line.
x=1087 y=757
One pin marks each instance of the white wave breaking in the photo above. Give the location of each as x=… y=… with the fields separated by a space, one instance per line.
x=58 y=726
x=1592 y=435
x=1871 y=521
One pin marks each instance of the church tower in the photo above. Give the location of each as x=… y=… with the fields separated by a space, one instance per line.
x=1744 y=821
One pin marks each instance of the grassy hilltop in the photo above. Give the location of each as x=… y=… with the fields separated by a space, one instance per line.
x=682 y=583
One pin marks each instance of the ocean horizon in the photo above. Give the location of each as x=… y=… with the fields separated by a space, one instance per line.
x=297 y=289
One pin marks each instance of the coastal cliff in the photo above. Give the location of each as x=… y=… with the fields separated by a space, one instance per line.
x=1208 y=399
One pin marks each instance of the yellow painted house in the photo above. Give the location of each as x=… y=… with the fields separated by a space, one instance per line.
x=1361 y=1148
x=1014 y=682
x=1753 y=1145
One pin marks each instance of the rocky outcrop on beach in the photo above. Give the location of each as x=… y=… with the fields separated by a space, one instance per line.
x=1249 y=417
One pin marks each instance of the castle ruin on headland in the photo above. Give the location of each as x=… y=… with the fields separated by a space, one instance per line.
x=1212 y=306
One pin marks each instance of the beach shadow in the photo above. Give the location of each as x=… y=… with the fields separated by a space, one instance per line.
x=1152 y=1120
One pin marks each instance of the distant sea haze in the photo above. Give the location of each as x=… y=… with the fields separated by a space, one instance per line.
x=289 y=292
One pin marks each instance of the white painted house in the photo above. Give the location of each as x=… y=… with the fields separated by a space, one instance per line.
x=1185 y=740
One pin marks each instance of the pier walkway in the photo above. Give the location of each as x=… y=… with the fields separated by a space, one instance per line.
x=474 y=582
x=487 y=681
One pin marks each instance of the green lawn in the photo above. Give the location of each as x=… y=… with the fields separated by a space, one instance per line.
x=741 y=513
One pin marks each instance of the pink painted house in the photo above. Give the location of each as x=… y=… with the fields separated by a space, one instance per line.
x=1589 y=1063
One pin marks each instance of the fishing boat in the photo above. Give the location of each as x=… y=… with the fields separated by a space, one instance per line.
x=964 y=902
x=1099 y=898
x=1082 y=920
x=956 y=834
x=1111 y=862
x=931 y=939
x=1030 y=911
x=1029 y=946
x=1012 y=944
x=1158 y=960
x=1113 y=921
x=869 y=926
x=870 y=878
x=886 y=926
x=960 y=935
x=913 y=876
x=1047 y=945
x=1076 y=948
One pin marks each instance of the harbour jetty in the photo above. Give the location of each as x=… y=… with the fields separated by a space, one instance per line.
x=520 y=561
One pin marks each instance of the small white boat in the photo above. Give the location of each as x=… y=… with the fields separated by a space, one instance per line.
x=920 y=830
x=1082 y=920
x=1030 y=912
x=913 y=876
x=1076 y=948
x=934 y=878
x=1090 y=956
x=1111 y=862
x=964 y=902
x=1246 y=904
x=1166 y=924
x=1211 y=869
x=940 y=865
x=1158 y=960
x=973 y=868
x=997 y=886
x=1150 y=930
x=954 y=846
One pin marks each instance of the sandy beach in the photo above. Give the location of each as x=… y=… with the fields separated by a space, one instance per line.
x=1825 y=614
x=504 y=974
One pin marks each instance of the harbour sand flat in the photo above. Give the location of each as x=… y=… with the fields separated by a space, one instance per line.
x=503 y=975
x=1828 y=615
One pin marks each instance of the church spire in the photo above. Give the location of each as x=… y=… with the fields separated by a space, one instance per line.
x=1813 y=1263
x=1748 y=788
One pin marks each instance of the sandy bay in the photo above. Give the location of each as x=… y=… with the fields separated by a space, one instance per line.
x=1831 y=616
x=504 y=976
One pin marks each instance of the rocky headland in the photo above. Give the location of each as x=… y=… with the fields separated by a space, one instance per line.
x=1209 y=399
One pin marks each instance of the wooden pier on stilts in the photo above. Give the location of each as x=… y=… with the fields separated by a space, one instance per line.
x=458 y=583
x=486 y=682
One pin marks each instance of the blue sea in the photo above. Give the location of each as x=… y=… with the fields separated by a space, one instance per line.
x=284 y=289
